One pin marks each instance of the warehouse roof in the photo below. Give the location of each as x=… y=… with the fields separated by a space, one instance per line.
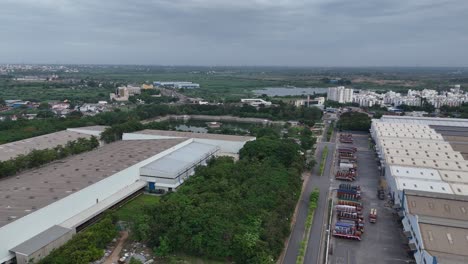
x=437 y=205
x=408 y=134
x=413 y=172
x=42 y=239
x=22 y=147
x=423 y=185
x=178 y=161
x=406 y=143
x=413 y=153
x=34 y=189
x=457 y=122
x=168 y=133
x=454 y=176
x=454 y=165
x=444 y=237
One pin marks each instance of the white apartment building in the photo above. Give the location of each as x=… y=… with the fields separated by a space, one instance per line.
x=340 y=94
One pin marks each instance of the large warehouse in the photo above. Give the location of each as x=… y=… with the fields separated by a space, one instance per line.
x=424 y=163
x=22 y=147
x=42 y=208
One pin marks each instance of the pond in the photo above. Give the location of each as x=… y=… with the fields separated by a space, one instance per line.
x=294 y=91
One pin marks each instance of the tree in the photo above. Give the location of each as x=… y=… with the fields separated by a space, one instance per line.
x=354 y=121
x=44 y=106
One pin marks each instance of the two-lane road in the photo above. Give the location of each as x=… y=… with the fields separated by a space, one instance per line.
x=323 y=184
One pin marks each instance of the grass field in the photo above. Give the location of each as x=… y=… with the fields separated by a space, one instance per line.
x=135 y=206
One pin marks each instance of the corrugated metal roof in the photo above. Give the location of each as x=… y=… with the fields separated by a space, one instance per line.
x=193 y=135
x=171 y=165
x=42 y=239
x=22 y=147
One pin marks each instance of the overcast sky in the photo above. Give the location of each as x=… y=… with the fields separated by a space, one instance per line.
x=236 y=32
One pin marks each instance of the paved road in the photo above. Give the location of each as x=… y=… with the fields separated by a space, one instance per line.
x=315 y=181
x=383 y=242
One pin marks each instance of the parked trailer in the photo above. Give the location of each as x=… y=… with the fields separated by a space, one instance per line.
x=346 y=230
x=347 y=186
x=352 y=203
x=349 y=216
x=347 y=166
x=345 y=177
x=352 y=161
x=373 y=215
x=347 y=149
x=345 y=173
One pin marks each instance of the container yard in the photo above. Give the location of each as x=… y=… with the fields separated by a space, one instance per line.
x=356 y=236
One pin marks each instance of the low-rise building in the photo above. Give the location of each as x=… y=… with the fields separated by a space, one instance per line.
x=256 y=102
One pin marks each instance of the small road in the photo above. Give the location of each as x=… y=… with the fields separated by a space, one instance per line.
x=115 y=256
x=323 y=184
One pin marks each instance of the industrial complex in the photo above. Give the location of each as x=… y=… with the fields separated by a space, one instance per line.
x=41 y=209
x=424 y=164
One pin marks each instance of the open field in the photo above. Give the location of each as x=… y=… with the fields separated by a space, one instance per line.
x=228 y=83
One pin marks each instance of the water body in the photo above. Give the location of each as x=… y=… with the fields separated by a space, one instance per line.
x=285 y=91
x=201 y=126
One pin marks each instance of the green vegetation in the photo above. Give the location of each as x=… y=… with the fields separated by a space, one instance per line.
x=83 y=91
x=323 y=160
x=135 y=207
x=134 y=261
x=86 y=246
x=313 y=200
x=354 y=121
x=37 y=158
x=134 y=214
x=236 y=211
x=330 y=129
x=460 y=111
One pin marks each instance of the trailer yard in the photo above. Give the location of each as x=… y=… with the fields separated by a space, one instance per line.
x=353 y=239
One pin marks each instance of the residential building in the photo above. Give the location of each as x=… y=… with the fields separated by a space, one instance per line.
x=340 y=94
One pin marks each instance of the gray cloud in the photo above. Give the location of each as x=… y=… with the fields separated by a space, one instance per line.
x=242 y=32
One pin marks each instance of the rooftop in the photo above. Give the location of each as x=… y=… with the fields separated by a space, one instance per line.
x=42 y=239
x=438 y=205
x=457 y=122
x=168 y=133
x=423 y=185
x=442 y=237
x=34 y=189
x=171 y=165
x=413 y=153
x=14 y=149
x=443 y=164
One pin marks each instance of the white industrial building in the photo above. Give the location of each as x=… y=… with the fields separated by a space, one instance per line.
x=42 y=208
x=23 y=147
x=255 y=102
x=436 y=226
x=340 y=94
x=424 y=162
x=177 y=85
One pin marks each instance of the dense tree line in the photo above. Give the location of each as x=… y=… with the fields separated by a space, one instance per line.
x=455 y=111
x=17 y=130
x=84 y=247
x=354 y=121
x=238 y=211
x=36 y=158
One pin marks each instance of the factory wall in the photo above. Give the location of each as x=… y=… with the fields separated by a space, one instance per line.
x=44 y=251
x=28 y=226
x=410 y=224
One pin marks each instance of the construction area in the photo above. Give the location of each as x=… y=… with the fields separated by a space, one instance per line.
x=364 y=228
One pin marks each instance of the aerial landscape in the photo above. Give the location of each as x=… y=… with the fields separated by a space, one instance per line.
x=252 y=131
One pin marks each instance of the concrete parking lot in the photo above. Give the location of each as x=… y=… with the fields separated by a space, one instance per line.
x=382 y=242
